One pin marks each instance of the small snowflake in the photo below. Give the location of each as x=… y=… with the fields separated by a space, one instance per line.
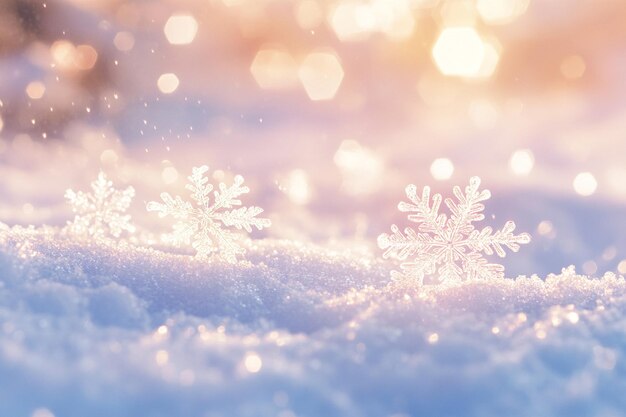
x=205 y=226
x=450 y=247
x=100 y=214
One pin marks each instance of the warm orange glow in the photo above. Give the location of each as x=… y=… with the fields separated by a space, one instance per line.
x=85 y=57
x=274 y=69
x=500 y=12
x=459 y=51
x=63 y=53
x=573 y=67
x=168 y=83
x=321 y=75
x=35 y=90
x=309 y=14
x=180 y=29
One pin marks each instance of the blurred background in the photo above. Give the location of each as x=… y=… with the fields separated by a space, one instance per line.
x=328 y=109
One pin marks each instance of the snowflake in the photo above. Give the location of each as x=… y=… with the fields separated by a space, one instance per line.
x=205 y=226
x=100 y=214
x=451 y=247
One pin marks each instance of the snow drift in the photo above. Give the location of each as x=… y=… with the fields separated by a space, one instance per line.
x=88 y=328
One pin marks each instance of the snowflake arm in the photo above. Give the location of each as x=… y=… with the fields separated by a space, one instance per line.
x=205 y=225
x=451 y=247
x=100 y=213
x=175 y=207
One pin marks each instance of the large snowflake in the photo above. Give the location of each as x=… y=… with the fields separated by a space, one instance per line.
x=205 y=226
x=100 y=214
x=449 y=247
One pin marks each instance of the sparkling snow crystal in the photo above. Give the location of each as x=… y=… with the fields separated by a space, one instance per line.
x=100 y=214
x=206 y=225
x=450 y=247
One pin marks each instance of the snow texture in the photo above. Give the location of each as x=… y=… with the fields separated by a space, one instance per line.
x=100 y=214
x=451 y=247
x=205 y=226
x=97 y=329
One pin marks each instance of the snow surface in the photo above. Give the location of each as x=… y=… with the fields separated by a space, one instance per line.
x=90 y=329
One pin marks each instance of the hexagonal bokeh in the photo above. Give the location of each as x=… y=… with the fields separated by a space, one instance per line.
x=500 y=12
x=459 y=51
x=274 y=69
x=180 y=29
x=321 y=74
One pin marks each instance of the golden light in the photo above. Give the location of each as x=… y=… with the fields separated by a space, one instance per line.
x=442 y=169
x=352 y=20
x=63 y=53
x=501 y=12
x=573 y=67
x=457 y=13
x=356 y=20
x=168 y=83
x=309 y=15
x=621 y=267
x=274 y=69
x=85 y=57
x=321 y=75
x=253 y=362
x=585 y=184
x=394 y=18
x=68 y=56
x=459 y=51
x=522 y=162
x=181 y=29
x=433 y=338
x=35 y=90
x=490 y=59
x=124 y=41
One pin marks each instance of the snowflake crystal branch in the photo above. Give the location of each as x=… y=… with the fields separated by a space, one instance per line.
x=205 y=226
x=100 y=214
x=450 y=247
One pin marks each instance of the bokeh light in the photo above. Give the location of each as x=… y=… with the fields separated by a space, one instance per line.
x=180 y=29
x=253 y=362
x=501 y=12
x=459 y=51
x=585 y=184
x=321 y=74
x=35 y=90
x=522 y=162
x=274 y=68
x=168 y=83
x=442 y=169
x=124 y=41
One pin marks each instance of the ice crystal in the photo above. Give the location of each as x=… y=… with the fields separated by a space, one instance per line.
x=100 y=214
x=449 y=246
x=205 y=226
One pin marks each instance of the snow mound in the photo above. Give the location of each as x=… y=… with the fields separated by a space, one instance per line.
x=95 y=329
